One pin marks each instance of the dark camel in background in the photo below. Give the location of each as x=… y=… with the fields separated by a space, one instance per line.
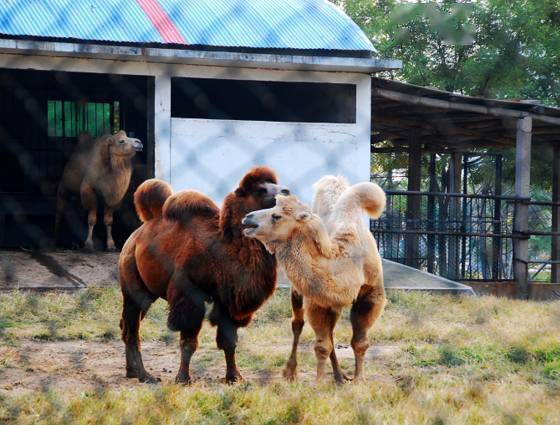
x=100 y=171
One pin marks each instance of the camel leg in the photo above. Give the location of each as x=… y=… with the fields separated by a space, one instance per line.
x=365 y=311
x=226 y=339
x=108 y=221
x=130 y=324
x=186 y=314
x=339 y=376
x=89 y=202
x=322 y=321
x=290 y=371
x=60 y=206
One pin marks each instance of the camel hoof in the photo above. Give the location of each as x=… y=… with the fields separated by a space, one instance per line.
x=359 y=379
x=149 y=379
x=289 y=374
x=183 y=379
x=233 y=378
x=112 y=248
x=88 y=247
x=342 y=379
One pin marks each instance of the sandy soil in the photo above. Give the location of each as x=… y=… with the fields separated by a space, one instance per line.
x=75 y=366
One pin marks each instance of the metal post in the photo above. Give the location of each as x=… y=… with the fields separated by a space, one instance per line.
x=432 y=213
x=464 y=215
x=413 y=203
x=454 y=187
x=443 y=218
x=555 y=251
x=521 y=221
x=497 y=241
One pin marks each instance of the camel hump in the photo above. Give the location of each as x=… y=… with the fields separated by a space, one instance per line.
x=184 y=205
x=368 y=196
x=150 y=197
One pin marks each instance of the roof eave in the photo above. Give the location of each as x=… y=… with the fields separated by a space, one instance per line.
x=198 y=57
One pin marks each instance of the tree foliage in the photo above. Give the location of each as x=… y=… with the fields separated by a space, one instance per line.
x=504 y=49
x=508 y=49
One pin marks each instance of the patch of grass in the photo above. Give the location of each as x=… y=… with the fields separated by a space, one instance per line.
x=518 y=355
x=457 y=361
x=450 y=357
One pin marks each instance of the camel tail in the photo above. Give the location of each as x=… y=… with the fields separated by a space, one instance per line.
x=368 y=196
x=150 y=197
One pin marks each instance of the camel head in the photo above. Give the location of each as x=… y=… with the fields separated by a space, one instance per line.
x=122 y=146
x=277 y=224
x=258 y=189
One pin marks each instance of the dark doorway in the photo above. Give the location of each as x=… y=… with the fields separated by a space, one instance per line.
x=41 y=115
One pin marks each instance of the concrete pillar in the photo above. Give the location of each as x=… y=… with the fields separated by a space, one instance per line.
x=162 y=127
x=521 y=221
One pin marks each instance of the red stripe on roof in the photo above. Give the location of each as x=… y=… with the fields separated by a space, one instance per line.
x=161 y=21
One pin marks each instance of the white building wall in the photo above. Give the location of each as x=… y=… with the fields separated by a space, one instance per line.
x=212 y=155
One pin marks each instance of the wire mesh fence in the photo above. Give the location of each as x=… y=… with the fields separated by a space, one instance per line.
x=202 y=127
x=220 y=121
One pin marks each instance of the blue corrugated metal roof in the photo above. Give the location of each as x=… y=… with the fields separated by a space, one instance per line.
x=254 y=24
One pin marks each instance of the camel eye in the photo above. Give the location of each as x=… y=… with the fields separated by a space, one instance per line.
x=121 y=142
x=276 y=217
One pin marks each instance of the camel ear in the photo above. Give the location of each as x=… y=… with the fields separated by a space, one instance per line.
x=303 y=216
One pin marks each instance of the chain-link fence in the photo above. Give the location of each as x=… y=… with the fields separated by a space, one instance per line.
x=205 y=115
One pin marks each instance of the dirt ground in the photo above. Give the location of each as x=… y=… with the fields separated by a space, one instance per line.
x=57 y=269
x=76 y=366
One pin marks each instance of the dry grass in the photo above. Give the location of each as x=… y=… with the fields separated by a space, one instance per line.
x=455 y=360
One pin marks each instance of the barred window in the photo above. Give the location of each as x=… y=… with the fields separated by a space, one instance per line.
x=69 y=119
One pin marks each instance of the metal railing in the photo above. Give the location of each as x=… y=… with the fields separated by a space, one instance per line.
x=464 y=236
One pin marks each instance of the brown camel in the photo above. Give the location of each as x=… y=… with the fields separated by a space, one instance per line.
x=99 y=171
x=332 y=261
x=189 y=252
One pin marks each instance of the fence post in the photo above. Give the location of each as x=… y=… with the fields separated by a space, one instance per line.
x=497 y=228
x=454 y=187
x=555 y=251
x=521 y=221
x=413 y=203
x=432 y=214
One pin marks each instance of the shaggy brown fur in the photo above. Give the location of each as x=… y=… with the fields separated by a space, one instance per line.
x=191 y=254
x=331 y=264
x=99 y=171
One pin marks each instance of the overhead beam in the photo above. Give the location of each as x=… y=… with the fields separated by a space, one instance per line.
x=461 y=106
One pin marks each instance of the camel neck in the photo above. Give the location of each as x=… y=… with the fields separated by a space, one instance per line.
x=119 y=162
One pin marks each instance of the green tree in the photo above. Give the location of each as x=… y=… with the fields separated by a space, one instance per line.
x=493 y=48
